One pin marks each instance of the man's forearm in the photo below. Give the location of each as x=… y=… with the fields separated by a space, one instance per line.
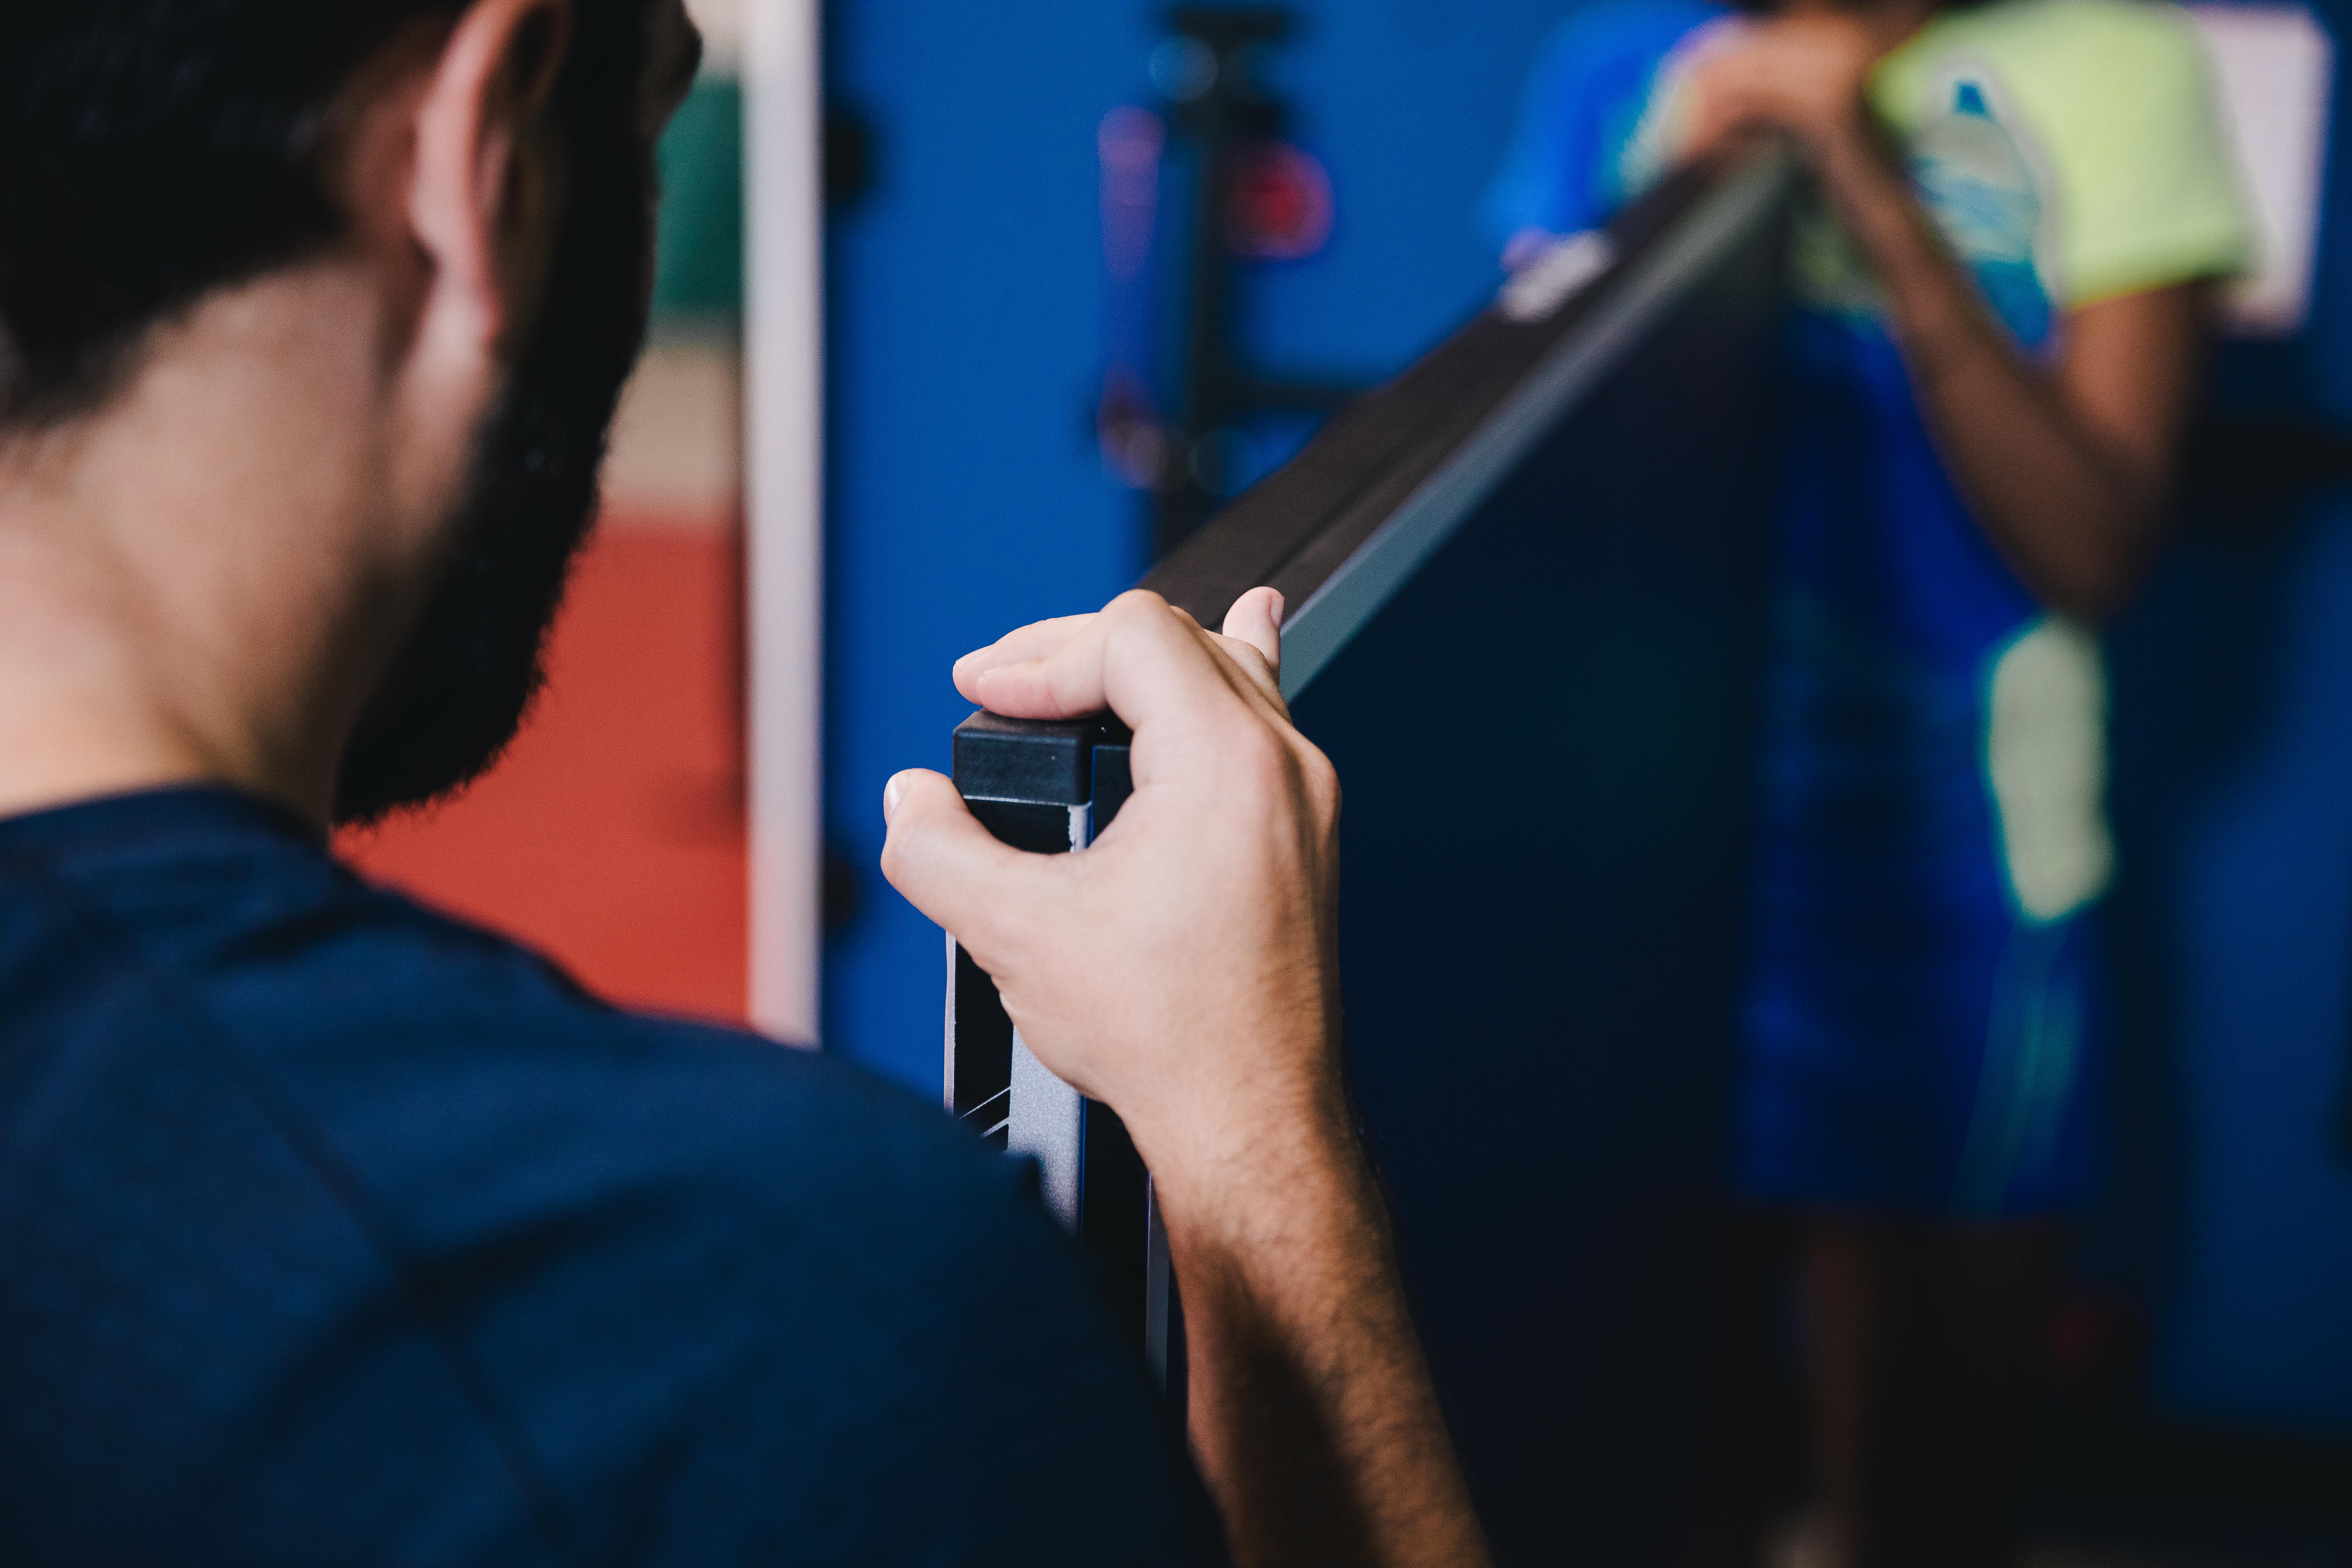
x=1184 y=972
x=1312 y=1413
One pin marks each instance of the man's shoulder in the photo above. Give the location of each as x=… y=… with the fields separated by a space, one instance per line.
x=453 y=1082
x=419 y=1045
x=758 y=1260
x=700 y=1288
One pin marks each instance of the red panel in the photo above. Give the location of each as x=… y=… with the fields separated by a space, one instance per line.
x=612 y=836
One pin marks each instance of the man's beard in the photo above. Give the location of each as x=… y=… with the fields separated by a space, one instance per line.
x=473 y=663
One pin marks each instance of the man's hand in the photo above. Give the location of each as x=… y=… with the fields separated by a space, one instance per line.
x=1183 y=970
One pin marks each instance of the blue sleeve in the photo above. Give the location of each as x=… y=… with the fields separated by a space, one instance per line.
x=808 y=1319
x=1540 y=184
x=350 y=1234
x=1584 y=95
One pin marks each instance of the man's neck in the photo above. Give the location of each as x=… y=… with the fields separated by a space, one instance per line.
x=76 y=718
x=194 y=581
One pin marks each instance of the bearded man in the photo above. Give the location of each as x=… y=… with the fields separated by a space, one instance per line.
x=334 y=1232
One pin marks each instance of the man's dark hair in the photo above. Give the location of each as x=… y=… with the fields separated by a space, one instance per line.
x=153 y=150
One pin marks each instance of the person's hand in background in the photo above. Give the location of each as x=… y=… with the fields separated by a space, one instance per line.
x=1802 y=75
x=1183 y=970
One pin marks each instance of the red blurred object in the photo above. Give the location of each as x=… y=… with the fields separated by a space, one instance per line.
x=612 y=836
x=1278 y=203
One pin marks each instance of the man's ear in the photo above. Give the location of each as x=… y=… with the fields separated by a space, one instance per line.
x=487 y=180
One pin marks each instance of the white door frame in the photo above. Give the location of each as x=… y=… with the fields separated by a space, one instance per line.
x=785 y=486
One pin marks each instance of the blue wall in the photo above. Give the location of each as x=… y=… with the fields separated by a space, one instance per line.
x=967 y=496
x=2231 y=1202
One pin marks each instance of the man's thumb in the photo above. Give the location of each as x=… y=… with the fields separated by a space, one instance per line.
x=944 y=862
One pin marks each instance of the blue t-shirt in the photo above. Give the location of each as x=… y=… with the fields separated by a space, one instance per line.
x=334 y=1232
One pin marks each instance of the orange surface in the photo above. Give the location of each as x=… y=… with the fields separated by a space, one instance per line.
x=612 y=836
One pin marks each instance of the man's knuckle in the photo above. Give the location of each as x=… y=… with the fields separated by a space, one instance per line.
x=1322 y=776
x=908 y=849
x=1136 y=603
x=1260 y=753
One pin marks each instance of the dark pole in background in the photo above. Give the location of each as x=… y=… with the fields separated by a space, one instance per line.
x=1213 y=70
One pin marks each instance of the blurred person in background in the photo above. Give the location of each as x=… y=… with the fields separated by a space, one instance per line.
x=335 y=1232
x=2001 y=267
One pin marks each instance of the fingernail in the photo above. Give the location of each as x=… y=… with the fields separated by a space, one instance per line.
x=892 y=793
x=1280 y=608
